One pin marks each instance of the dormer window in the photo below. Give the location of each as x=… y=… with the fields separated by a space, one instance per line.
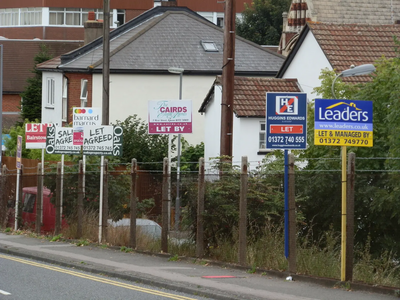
x=209 y=46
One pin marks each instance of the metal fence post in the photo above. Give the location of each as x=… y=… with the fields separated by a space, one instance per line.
x=105 y=200
x=243 y=213
x=58 y=199
x=165 y=204
x=292 y=217
x=350 y=216
x=39 y=198
x=79 y=228
x=3 y=197
x=200 y=211
x=133 y=205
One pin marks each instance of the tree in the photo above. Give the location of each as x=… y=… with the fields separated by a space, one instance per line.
x=11 y=145
x=144 y=147
x=190 y=156
x=262 y=21
x=377 y=209
x=31 y=103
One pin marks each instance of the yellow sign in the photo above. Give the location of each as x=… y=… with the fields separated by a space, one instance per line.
x=343 y=138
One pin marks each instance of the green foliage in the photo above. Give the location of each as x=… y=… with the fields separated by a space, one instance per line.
x=31 y=104
x=222 y=195
x=137 y=143
x=56 y=238
x=174 y=258
x=262 y=21
x=126 y=249
x=190 y=156
x=81 y=243
x=377 y=209
x=11 y=145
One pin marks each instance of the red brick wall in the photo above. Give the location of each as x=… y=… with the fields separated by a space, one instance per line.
x=11 y=103
x=74 y=91
x=130 y=14
x=43 y=33
x=22 y=32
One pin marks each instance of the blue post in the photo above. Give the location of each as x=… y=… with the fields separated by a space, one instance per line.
x=286 y=188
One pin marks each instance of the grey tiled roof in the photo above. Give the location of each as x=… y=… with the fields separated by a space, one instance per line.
x=173 y=38
x=355 y=11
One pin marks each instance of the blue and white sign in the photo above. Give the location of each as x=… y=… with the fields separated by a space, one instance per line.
x=3 y=141
x=341 y=122
x=286 y=121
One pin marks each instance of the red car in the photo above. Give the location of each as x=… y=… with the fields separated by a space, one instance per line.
x=29 y=195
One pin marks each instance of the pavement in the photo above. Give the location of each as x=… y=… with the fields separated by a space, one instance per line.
x=193 y=276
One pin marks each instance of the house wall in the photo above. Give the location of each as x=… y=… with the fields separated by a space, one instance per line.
x=52 y=114
x=246 y=141
x=245 y=134
x=307 y=65
x=212 y=127
x=11 y=103
x=74 y=91
x=129 y=95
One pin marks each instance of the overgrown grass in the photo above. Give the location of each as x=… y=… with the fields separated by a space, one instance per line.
x=321 y=258
x=384 y=270
x=266 y=252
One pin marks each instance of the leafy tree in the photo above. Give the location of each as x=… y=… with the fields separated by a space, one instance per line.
x=262 y=21
x=137 y=143
x=221 y=205
x=11 y=145
x=190 y=155
x=377 y=209
x=31 y=104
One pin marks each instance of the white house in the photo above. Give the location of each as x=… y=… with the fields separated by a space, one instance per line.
x=249 y=106
x=336 y=47
x=142 y=51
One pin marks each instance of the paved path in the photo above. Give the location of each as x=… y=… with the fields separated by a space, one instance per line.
x=185 y=275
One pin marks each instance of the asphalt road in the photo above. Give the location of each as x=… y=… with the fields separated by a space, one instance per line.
x=23 y=279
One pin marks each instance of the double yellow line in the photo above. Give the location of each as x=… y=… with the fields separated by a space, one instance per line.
x=98 y=279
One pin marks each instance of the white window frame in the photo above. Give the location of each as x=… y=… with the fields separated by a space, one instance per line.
x=50 y=85
x=262 y=136
x=64 y=112
x=84 y=92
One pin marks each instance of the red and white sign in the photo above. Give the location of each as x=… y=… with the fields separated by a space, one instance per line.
x=170 y=116
x=289 y=129
x=35 y=135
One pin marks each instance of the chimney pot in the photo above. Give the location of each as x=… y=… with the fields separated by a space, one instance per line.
x=91 y=16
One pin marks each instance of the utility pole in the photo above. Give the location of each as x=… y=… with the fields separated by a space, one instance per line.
x=228 y=76
x=106 y=63
x=1 y=105
x=105 y=107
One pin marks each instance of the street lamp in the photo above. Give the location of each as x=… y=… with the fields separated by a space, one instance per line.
x=179 y=71
x=354 y=71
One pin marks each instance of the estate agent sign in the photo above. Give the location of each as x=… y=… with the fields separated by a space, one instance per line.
x=170 y=117
x=343 y=123
x=83 y=117
x=59 y=140
x=286 y=121
x=35 y=135
x=102 y=140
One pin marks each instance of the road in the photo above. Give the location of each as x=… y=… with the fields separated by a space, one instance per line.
x=23 y=279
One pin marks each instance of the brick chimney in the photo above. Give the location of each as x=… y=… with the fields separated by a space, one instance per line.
x=93 y=28
x=168 y=3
